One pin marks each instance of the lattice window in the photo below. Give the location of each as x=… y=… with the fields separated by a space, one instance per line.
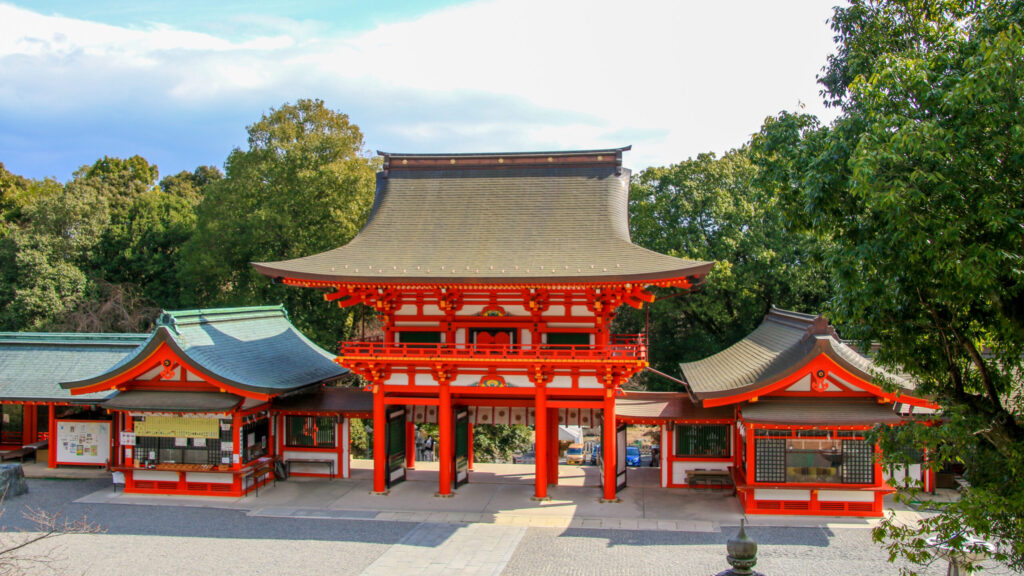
x=310 y=431
x=858 y=462
x=707 y=440
x=769 y=460
x=773 y=433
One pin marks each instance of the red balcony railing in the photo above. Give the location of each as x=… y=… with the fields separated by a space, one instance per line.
x=622 y=348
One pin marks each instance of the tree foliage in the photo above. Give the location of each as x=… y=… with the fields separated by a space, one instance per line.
x=918 y=182
x=708 y=208
x=302 y=187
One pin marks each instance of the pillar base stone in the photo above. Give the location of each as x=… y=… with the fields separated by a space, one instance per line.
x=439 y=495
x=375 y=493
x=610 y=500
x=540 y=498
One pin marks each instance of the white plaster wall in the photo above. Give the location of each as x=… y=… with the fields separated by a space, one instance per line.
x=845 y=496
x=561 y=382
x=912 y=471
x=581 y=311
x=471 y=310
x=401 y=324
x=432 y=310
x=570 y=325
x=209 y=477
x=801 y=385
x=155 y=475
x=398 y=380
x=460 y=336
x=424 y=380
x=590 y=382
x=794 y=495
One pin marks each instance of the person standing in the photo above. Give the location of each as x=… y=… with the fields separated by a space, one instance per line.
x=428 y=449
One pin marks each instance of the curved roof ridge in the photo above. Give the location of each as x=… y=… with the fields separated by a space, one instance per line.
x=783 y=342
x=256 y=349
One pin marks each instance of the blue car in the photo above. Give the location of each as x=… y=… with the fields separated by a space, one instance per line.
x=632 y=456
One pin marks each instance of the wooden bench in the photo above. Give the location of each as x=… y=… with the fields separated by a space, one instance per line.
x=254 y=474
x=18 y=454
x=326 y=461
x=708 y=478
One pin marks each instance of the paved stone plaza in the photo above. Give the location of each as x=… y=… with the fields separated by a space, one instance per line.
x=490 y=527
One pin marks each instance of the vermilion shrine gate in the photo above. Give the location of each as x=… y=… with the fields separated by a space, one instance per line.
x=496 y=278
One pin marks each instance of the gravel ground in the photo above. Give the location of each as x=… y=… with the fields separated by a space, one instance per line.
x=198 y=541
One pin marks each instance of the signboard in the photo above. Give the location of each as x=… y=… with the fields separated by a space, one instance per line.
x=177 y=427
x=127 y=438
x=82 y=442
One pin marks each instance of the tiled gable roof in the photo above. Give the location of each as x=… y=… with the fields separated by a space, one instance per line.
x=785 y=341
x=33 y=364
x=254 y=348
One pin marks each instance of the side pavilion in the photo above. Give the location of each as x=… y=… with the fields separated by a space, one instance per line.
x=803 y=400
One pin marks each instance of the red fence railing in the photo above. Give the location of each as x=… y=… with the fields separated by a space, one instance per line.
x=623 y=347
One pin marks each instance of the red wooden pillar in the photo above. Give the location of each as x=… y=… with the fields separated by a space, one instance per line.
x=553 y=446
x=447 y=442
x=540 y=445
x=609 y=448
x=470 y=446
x=51 y=454
x=236 y=453
x=410 y=444
x=380 y=425
x=749 y=472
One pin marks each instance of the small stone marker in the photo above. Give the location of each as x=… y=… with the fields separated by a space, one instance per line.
x=12 y=480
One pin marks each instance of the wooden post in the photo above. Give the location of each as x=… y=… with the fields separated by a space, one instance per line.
x=51 y=453
x=470 y=447
x=410 y=445
x=609 y=449
x=540 y=448
x=447 y=442
x=380 y=426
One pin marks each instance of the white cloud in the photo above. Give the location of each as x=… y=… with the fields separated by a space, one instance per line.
x=677 y=78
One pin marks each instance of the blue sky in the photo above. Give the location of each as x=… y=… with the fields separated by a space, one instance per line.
x=178 y=82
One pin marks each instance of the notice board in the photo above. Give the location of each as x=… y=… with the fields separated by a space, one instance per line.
x=82 y=441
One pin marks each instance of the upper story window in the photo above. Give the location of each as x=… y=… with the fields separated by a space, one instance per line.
x=419 y=337
x=569 y=338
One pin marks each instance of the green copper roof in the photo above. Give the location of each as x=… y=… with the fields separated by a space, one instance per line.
x=32 y=364
x=782 y=344
x=543 y=218
x=254 y=348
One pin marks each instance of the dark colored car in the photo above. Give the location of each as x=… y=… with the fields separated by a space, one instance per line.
x=632 y=456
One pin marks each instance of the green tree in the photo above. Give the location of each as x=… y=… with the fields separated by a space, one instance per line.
x=41 y=258
x=304 y=185
x=708 y=208
x=919 y=182
x=497 y=443
x=190 y=185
